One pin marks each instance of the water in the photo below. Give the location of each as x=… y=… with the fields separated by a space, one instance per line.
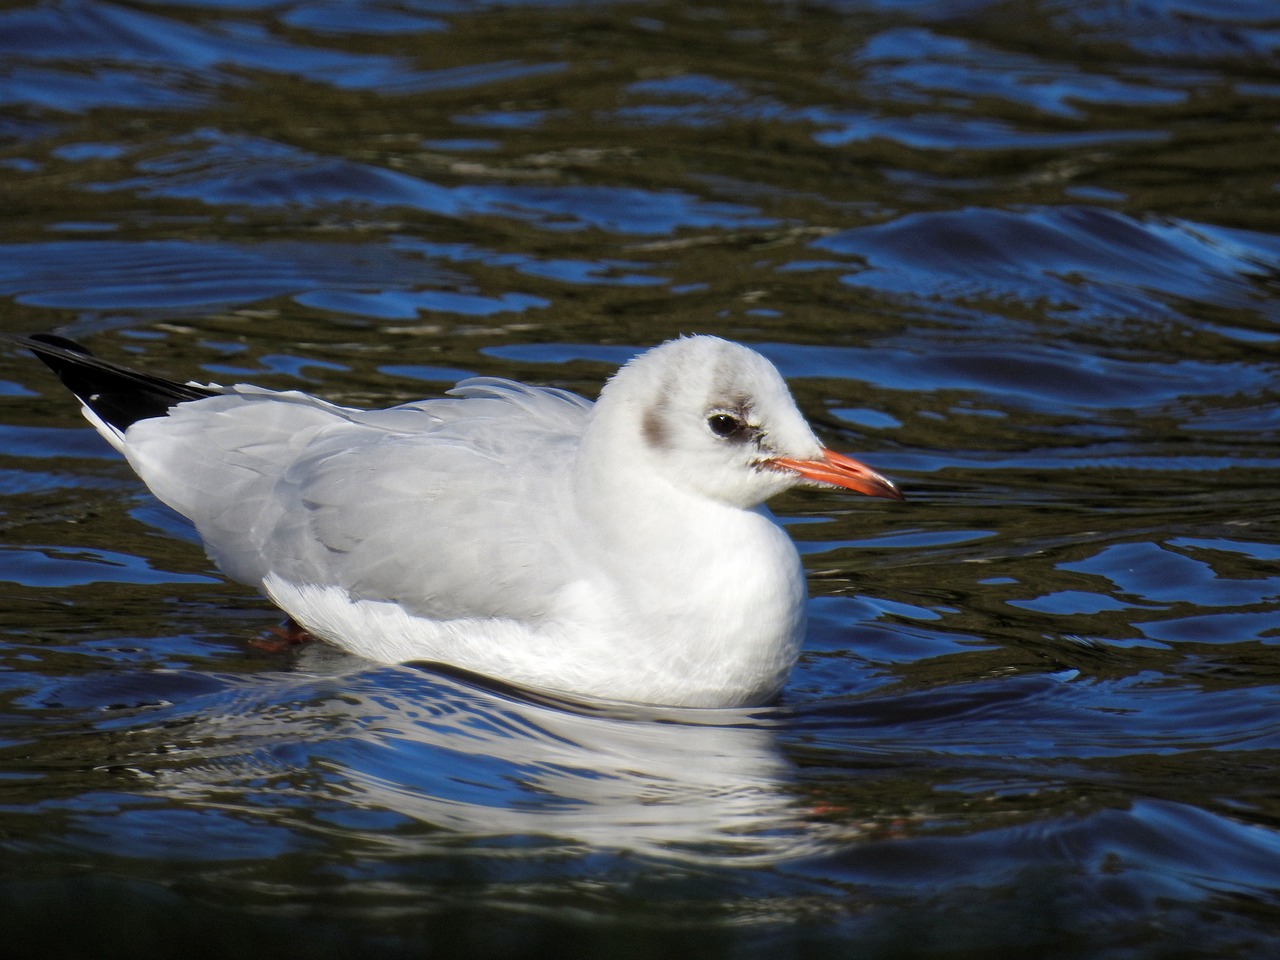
x=1021 y=256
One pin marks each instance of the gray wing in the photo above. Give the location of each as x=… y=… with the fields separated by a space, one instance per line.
x=453 y=507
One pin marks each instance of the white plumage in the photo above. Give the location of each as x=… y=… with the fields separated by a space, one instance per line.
x=611 y=550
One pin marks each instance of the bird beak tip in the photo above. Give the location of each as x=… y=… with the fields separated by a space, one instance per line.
x=836 y=470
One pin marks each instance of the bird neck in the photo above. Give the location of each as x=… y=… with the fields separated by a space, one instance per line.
x=703 y=579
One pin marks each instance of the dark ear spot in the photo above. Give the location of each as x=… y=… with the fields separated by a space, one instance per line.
x=654 y=428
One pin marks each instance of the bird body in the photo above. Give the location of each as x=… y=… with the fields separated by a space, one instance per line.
x=613 y=550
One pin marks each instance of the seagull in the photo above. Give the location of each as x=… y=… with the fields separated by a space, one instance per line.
x=616 y=550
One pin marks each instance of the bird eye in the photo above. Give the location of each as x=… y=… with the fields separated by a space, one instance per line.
x=724 y=425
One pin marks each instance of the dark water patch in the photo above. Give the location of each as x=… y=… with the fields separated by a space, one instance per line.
x=21 y=482
x=943 y=132
x=596 y=271
x=68 y=92
x=294 y=367
x=642 y=212
x=125 y=695
x=57 y=567
x=1162 y=575
x=1240 y=627
x=1020 y=256
x=359 y=18
x=1034 y=884
x=1041 y=726
x=1095 y=263
x=1178 y=29
x=214 y=53
x=1041 y=376
x=404 y=305
x=449 y=375
x=702 y=103
x=165 y=275
x=216 y=168
x=44 y=442
x=915 y=64
x=141 y=829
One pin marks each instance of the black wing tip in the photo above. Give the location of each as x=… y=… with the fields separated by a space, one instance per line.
x=63 y=343
x=55 y=352
x=119 y=395
x=50 y=347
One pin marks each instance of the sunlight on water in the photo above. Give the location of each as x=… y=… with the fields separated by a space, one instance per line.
x=1022 y=257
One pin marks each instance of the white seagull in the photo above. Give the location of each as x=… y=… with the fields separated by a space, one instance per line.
x=611 y=550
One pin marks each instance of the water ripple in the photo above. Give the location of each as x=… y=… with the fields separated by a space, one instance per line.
x=213 y=54
x=1024 y=257
x=1092 y=262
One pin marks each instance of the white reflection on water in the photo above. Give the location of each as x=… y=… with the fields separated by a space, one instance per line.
x=346 y=742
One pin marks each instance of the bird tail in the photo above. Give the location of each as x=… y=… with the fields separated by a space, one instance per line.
x=113 y=396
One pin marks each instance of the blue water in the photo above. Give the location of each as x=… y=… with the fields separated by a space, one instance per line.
x=1021 y=256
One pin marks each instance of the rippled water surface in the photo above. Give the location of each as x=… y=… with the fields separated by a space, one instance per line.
x=1022 y=256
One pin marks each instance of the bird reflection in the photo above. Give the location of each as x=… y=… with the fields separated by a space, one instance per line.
x=421 y=759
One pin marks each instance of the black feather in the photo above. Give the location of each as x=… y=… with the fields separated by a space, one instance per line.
x=118 y=395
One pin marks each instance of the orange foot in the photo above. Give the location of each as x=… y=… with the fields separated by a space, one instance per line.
x=288 y=634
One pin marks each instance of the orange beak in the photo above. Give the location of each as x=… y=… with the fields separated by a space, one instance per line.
x=837 y=470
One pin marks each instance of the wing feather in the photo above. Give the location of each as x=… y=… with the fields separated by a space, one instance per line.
x=430 y=504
